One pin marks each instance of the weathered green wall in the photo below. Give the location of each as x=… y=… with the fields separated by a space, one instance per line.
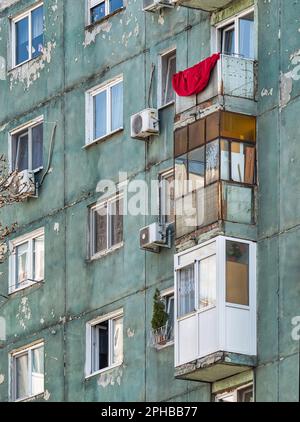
x=77 y=290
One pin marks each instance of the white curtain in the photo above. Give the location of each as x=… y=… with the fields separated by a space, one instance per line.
x=38 y=259
x=37 y=371
x=117 y=106
x=22 y=390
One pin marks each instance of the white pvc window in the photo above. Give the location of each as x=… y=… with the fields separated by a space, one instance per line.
x=167 y=68
x=166 y=197
x=106 y=226
x=98 y=9
x=168 y=298
x=27 y=374
x=237 y=35
x=28 y=35
x=104 y=343
x=242 y=394
x=26 y=147
x=104 y=113
x=26 y=261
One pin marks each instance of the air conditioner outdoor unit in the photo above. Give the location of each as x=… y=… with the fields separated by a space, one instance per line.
x=145 y=124
x=154 y=5
x=153 y=237
x=24 y=183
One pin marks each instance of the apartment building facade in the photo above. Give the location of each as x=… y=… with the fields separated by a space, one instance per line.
x=91 y=121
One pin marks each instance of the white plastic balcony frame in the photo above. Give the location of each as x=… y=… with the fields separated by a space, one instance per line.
x=190 y=257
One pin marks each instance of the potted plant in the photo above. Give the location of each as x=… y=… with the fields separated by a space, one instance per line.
x=159 y=318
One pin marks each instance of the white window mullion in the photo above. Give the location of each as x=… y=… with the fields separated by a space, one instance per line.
x=109 y=110
x=29 y=353
x=30 y=149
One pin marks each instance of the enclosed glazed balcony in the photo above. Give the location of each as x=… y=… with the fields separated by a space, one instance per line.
x=206 y=5
x=215 y=325
x=232 y=86
x=215 y=171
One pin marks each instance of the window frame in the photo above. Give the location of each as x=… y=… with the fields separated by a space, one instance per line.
x=165 y=295
x=110 y=317
x=28 y=126
x=234 y=21
x=110 y=248
x=14 y=21
x=27 y=350
x=90 y=111
x=13 y=245
x=94 y=3
x=163 y=207
x=235 y=393
x=170 y=53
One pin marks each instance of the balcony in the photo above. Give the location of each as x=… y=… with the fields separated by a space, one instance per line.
x=232 y=87
x=215 y=325
x=215 y=172
x=206 y=5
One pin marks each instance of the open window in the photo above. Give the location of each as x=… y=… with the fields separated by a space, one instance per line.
x=26 y=147
x=104 y=343
x=166 y=197
x=27 y=374
x=167 y=68
x=28 y=35
x=98 y=9
x=237 y=35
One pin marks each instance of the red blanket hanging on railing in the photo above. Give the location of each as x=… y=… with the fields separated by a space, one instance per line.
x=195 y=79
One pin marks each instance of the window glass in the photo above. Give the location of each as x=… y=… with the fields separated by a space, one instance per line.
x=21 y=152
x=250 y=165
x=117 y=106
x=207 y=282
x=98 y=12
x=116 y=217
x=181 y=141
x=168 y=69
x=22 y=40
x=118 y=340
x=170 y=311
x=166 y=198
x=100 y=115
x=37 y=23
x=237 y=273
x=224 y=146
x=100 y=227
x=237 y=162
x=22 y=387
x=246 y=36
x=212 y=162
x=115 y=5
x=196 y=164
x=228 y=40
x=103 y=337
x=186 y=291
x=37 y=374
x=37 y=147
x=181 y=175
x=38 y=258
x=22 y=264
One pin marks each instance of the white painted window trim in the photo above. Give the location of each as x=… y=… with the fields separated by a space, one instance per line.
x=162 y=194
x=110 y=248
x=15 y=20
x=12 y=373
x=233 y=393
x=164 y=294
x=90 y=115
x=27 y=126
x=94 y=3
x=110 y=317
x=167 y=52
x=234 y=20
x=13 y=244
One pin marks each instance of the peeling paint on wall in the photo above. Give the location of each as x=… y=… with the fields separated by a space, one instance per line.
x=110 y=378
x=24 y=313
x=286 y=80
x=2 y=69
x=56 y=227
x=91 y=34
x=2 y=379
x=130 y=333
x=30 y=72
x=7 y=3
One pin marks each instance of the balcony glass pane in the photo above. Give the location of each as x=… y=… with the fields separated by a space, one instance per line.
x=212 y=126
x=237 y=273
x=181 y=141
x=237 y=203
x=246 y=35
x=196 y=164
x=212 y=162
x=238 y=126
x=186 y=214
x=181 y=175
x=196 y=134
x=207 y=282
x=224 y=147
x=186 y=291
x=228 y=40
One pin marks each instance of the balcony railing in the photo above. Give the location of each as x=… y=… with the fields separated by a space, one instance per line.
x=232 y=77
x=162 y=336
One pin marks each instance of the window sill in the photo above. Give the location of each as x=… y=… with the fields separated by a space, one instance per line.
x=103 y=371
x=103 y=138
x=30 y=398
x=25 y=287
x=90 y=26
x=23 y=63
x=162 y=107
x=106 y=252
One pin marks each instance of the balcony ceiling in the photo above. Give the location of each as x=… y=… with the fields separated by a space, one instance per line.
x=207 y=5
